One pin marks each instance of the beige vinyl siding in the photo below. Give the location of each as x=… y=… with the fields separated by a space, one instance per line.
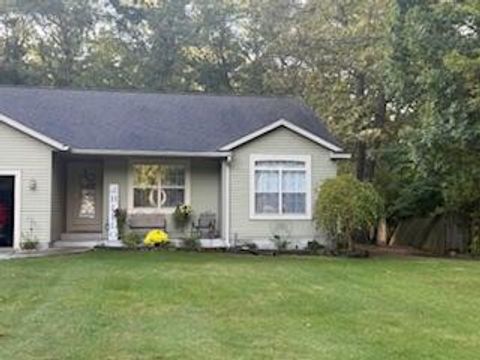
x=34 y=161
x=204 y=182
x=58 y=197
x=206 y=187
x=279 y=142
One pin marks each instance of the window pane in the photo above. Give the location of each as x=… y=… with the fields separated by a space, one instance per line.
x=266 y=203
x=266 y=181
x=294 y=182
x=145 y=198
x=173 y=175
x=173 y=197
x=294 y=203
x=87 y=204
x=145 y=175
x=280 y=164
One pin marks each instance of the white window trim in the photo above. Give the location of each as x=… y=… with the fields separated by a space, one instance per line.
x=308 y=173
x=131 y=176
x=17 y=204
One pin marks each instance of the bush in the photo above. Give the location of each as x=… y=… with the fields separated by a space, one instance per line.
x=345 y=207
x=156 y=238
x=131 y=239
x=280 y=242
x=191 y=242
x=314 y=247
x=29 y=241
x=29 y=245
x=121 y=217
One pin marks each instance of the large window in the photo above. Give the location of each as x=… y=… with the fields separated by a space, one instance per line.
x=280 y=187
x=158 y=186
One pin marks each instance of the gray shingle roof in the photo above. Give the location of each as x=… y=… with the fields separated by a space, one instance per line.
x=107 y=120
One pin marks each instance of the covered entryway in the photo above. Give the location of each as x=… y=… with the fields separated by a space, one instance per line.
x=7 y=211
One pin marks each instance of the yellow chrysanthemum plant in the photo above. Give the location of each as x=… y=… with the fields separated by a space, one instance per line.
x=156 y=237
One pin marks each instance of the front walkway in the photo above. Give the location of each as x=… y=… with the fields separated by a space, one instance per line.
x=11 y=254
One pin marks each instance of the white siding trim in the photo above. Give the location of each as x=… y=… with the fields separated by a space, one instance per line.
x=32 y=133
x=282 y=122
x=226 y=201
x=307 y=159
x=17 y=174
x=340 y=156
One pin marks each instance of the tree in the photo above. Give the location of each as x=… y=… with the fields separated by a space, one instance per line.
x=345 y=206
x=14 y=38
x=435 y=64
x=332 y=54
x=63 y=31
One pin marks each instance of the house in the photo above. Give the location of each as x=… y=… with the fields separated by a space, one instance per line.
x=69 y=158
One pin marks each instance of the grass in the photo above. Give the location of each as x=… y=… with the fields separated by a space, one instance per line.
x=161 y=305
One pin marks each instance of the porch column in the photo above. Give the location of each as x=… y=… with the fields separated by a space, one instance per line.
x=226 y=200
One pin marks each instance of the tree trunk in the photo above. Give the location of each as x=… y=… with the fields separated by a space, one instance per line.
x=361 y=159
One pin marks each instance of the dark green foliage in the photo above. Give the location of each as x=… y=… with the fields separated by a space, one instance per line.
x=121 y=217
x=132 y=239
x=346 y=206
x=434 y=59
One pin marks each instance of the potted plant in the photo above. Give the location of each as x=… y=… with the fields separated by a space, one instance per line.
x=156 y=238
x=182 y=215
x=121 y=217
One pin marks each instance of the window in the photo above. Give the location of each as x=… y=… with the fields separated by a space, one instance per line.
x=280 y=187
x=158 y=186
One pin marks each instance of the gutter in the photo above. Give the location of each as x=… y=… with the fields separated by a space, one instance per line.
x=340 y=156
x=192 y=154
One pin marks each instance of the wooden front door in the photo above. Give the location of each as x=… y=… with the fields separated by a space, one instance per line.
x=84 y=196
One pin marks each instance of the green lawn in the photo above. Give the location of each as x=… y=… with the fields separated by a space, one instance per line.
x=160 y=305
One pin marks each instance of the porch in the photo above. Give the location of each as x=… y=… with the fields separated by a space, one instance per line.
x=87 y=189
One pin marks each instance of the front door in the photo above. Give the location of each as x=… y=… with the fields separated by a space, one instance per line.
x=7 y=203
x=84 y=200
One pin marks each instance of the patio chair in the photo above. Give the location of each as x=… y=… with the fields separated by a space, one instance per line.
x=206 y=226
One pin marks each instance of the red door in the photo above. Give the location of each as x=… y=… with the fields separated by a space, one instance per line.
x=7 y=197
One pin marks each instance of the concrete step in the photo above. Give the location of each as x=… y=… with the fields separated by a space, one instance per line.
x=80 y=237
x=76 y=244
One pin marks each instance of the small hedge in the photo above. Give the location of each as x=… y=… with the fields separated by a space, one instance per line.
x=345 y=207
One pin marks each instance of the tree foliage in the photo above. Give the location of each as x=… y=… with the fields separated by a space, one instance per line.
x=433 y=76
x=345 y=207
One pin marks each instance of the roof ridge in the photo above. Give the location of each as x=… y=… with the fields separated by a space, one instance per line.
x=145 y=92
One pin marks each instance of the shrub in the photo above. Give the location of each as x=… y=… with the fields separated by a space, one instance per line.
x=156 y=237
x=281 y=243
x=132 y=239
x=346 y=206
x=29 y=241
x=314 y=247
x=191 y=242
x=121 y=217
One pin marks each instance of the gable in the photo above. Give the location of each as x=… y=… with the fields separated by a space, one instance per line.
x=13 y=141
x=281 y=141
x=282 y=124
x=25 y=130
